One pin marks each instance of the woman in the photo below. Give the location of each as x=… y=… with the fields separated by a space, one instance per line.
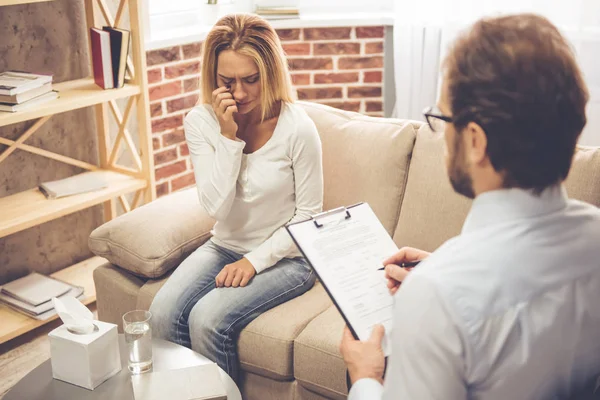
x=257 y=163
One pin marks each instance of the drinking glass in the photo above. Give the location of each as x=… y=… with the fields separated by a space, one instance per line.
x=138 y=335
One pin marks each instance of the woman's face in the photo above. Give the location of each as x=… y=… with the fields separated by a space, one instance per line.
x=240 y=73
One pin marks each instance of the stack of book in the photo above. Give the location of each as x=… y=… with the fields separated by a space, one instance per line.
x=110 y=48
x=22 y=90
x=32 y=295
x=275 y=12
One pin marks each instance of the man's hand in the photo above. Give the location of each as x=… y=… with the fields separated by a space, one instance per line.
x=237 y=274
x=364 y=359
x=395 y=274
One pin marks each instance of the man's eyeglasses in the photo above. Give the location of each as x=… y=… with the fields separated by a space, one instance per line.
x=435 y=119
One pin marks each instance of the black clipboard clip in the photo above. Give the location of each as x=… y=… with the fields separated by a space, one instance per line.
x=329 y=213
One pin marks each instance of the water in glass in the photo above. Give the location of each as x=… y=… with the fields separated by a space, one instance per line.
x=138 y=336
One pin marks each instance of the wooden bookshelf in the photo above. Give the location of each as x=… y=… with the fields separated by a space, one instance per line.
x=73 y=95
x=30 y=208
x=14 y=323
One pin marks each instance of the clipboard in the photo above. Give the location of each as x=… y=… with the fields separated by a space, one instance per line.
x=345 y=247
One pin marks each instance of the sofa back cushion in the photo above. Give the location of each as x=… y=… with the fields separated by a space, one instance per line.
x=432 y=212
x=365 y=159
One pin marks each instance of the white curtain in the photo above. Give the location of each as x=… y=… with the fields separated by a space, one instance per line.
x=424 y=29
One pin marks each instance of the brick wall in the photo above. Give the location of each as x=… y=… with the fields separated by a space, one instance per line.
x=341 y=67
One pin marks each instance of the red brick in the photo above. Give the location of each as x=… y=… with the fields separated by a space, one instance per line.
x=340 y=77
x=320 y=93
x=162 y=56
x=374 y=48
x=155 y=143
x=364 y=91
x=321 y=49
x=307 y=64
x=184 y=150
x=326 y=33
x=344 y=105
x=162 y=189
x=374 y=106
x=156 y=109
x=191 y=85
x=301 y=79
x=177 y=136
x=182 y=103
x=193 y=50
x=165 y=156
x=369 y=32
x=288 y=34
x=373 y=76
x=170 y=170
x=183 y=182
x=155 y=75
x=360 y=62
x=165 y=90
x=163 y=124
x=183 y=69
x=296 y=49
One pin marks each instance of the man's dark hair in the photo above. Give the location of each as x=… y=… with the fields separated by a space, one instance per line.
x=516 y=77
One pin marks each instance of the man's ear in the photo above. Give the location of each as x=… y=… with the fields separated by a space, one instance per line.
x=476 y=143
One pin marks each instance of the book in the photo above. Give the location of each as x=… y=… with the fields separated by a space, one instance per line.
x=202 y=382
x=15 y=82
x=262 y=10
x=28 y=95
x=76 y=184
x=36 y=101
x=102 y=58
x=119 y=44
x=42 y=311
x=35 y=289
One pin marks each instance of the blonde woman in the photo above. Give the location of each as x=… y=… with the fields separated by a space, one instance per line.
x=257 y=162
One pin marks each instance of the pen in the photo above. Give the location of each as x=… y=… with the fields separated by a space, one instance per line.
x=409 y=264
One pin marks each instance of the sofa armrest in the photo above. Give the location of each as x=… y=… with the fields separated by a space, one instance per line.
x=153 y=239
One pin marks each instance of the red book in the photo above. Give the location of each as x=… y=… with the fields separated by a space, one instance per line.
x=101 y=59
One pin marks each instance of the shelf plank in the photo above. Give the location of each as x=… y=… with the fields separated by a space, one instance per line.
x=81 y=274
x=15 y=2
x=73 y=95
x=29 y=208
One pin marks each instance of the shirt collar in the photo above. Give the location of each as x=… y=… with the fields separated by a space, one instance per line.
x=504 y=205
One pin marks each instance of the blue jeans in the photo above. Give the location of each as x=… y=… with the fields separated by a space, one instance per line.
x=190 y=311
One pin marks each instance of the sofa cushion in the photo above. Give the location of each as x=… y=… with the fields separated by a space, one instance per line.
x=148 y=245
x=318 y=364
x=582 y=182
x=266 y=345
x=431 y=211
x=364 y=159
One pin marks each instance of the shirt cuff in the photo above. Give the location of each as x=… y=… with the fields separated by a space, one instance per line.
x=233 y=145
x=366 y=389
x=258 y=262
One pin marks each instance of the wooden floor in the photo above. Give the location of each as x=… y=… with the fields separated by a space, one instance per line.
x=22 y=354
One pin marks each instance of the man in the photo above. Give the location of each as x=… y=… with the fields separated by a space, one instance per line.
x=509 y=309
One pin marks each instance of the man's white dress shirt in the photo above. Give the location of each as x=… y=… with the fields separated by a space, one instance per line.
x=509 y=309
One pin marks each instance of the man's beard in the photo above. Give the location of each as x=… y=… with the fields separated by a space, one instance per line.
x=457 y=172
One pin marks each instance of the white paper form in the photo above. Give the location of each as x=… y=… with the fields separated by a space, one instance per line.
x=346 y=255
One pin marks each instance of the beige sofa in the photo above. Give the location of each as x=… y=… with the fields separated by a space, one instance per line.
x=291 y=352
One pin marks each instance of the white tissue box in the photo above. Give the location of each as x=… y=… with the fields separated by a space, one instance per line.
x=85 y=360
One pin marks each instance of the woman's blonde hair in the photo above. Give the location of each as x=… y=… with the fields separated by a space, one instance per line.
x=252 y=36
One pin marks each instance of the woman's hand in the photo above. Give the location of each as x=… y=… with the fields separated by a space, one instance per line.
x=237 y=274
x=224 y=106
x=395 y=274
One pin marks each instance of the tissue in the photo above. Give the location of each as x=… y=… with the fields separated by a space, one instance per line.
x=74 y=315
